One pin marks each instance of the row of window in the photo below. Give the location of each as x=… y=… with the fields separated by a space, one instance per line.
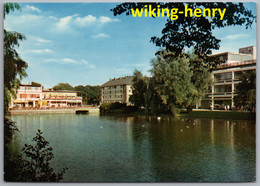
x=224 y=88
x=113 y=91
x=113 y=87
x=227 y=76
x=30 y=88
x=29 y=96
x=115 y=96
x=116 y=91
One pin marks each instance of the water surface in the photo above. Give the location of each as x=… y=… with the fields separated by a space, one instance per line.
x=144 y=149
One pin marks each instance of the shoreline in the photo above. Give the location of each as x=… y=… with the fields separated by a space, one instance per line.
x=53 y=111
x=196 y=113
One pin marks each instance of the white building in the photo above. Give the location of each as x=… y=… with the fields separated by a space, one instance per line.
x=227 y=76
x=28 y=96
x=117 y=90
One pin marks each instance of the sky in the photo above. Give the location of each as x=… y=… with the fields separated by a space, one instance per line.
x=84 y=44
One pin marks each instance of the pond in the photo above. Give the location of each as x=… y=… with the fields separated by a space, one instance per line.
x=144 y=149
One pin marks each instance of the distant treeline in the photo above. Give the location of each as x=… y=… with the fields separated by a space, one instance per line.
x=90 y=94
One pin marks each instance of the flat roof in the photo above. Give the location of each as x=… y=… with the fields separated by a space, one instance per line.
x=27 y=85
x=223 y=53
x=71 y=91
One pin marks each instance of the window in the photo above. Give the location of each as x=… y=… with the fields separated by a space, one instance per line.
x=223 y=88
x=223 y=76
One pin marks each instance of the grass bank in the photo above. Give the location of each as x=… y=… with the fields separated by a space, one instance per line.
x=219 y=114
x=194 y=113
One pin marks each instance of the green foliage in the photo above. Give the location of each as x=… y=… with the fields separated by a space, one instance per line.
x=139 y=88
x=246 y=90
x=14 y=66
x=14 y=71
x=195 y=32
x=8 y=7
x=36 y=84
x=90 y=94
x=63 y=86
x=107 y=107
x=153 y=102
x=35 y=167
x=9 y=128
x=178 y=83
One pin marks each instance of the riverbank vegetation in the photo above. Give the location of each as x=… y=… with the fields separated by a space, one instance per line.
x=246 y=90
x=17 y=168
x=176 y=83
x=112 y=109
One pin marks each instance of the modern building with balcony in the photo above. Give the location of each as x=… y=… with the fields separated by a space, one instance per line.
x=227 y=76
x=117 y=90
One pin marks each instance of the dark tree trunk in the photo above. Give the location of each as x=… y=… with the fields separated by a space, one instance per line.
x=189 y=109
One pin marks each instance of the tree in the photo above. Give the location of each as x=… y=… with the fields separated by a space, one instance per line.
x=90 y=94
x=139 y=88
x=178 y=82
x=35 y=166
x=63 y=86
x=14 y=71
x=36 y=84
x=195 y=32
x=246 y=91
x=14 y=66
x=153 y=102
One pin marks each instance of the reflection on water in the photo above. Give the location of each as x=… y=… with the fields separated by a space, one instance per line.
x=145 y=149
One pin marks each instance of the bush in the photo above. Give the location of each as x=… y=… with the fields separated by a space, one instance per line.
x=130 y=109
x=35 y=167
x=106 y=107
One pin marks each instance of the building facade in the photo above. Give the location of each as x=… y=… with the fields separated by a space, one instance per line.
x=227 y=76
x=28 y=96
x=116 y=90
x=61 y=98
x=33 y=96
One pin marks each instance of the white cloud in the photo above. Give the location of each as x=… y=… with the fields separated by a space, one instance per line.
x=33 y=8
x=68 y=22
x=101 y=35
x=69 y=60
x=85 y=21
x=236 y=36
x=64 y=23
x=39 y=39
x=42 y=51
x=62 y=61
x=87 y=64
x=103 y=19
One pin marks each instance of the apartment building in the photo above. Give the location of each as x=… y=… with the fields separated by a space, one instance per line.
x=117 y=90
x=227 y=76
